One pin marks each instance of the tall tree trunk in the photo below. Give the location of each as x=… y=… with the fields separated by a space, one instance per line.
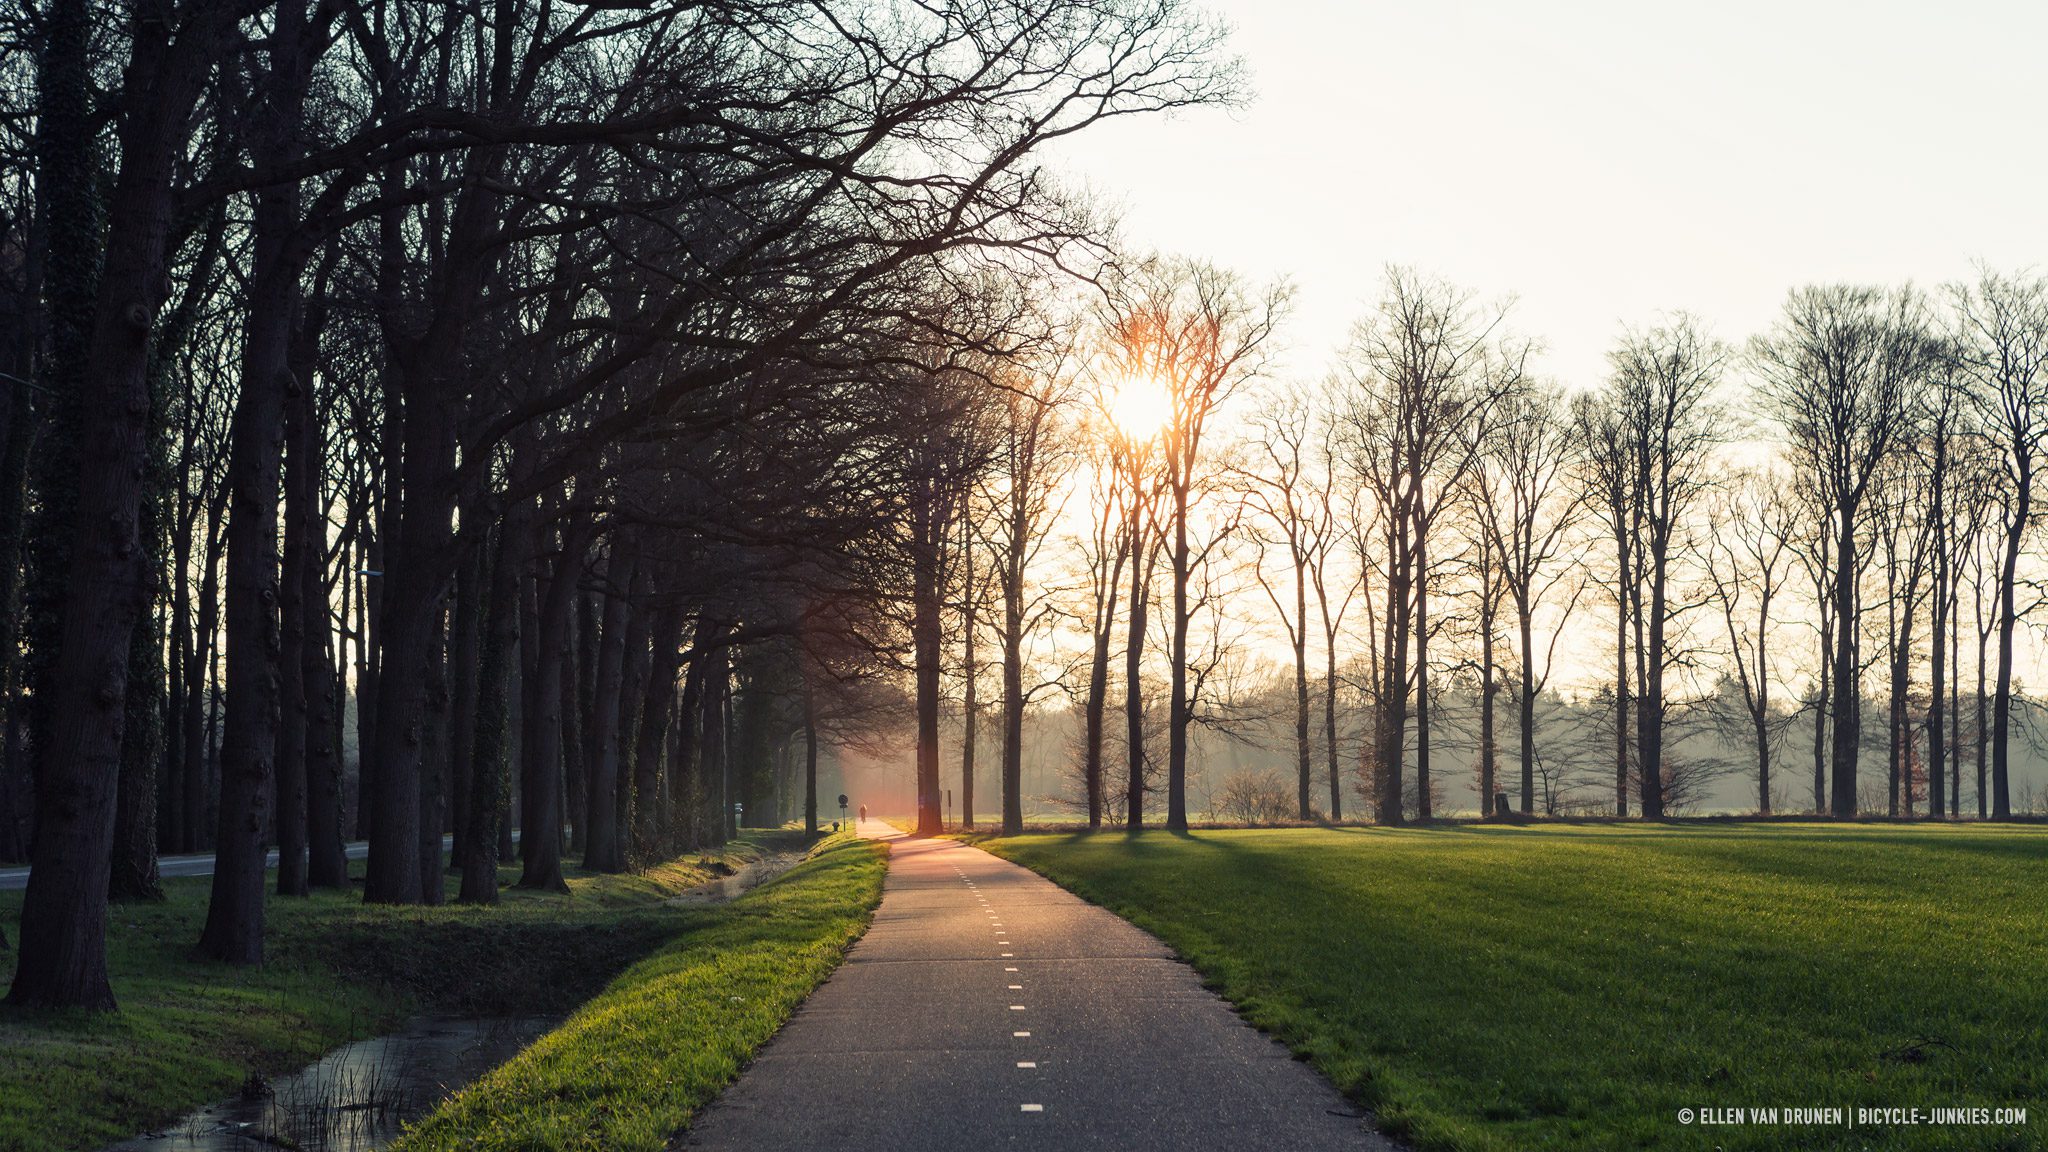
x=1623 y=583
x=66 y=247
x=1302 y=753
x=62 y=960
x=133 y=871
x=1761 y=735
x=810 y=759
x=414 y=593
x=580 y=729
x=433 y=770
x=490 y=785
x=1013 y=701
x=250 y=736
x=1489 y=690
x=1650 y=707
x=1955 y=705
x=1937 y=645
x=540 y=840
x=632 y=690
x=2008 y=618
x=1330 y=722
x=1093 y=711
x=604 y=849
x=198 y=681
x=1842 y=791
x=1179 y=715
x=970 y=704
x=294 y=730
x=657 y=698
x=519 y=693
x=327 y=854
x=1425 y=800
x=369 y=666
x=466 y=648
x=712 y=759
x=685 y=777
x=106 y=582
x=14 y=453
x=171 y=830
x=1900 y=753
x=1391 y=725
x=1134 y=689
x=1983 y=728
x=1525 y=706
x=1822 y=709
x=927 y=642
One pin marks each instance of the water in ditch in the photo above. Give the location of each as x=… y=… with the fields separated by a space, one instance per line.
x=356 y=1098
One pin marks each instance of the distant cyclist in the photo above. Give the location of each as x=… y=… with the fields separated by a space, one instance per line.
x=863 y=811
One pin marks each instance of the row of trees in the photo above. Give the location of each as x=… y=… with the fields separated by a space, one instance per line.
x=1797 y=527
x=439 y=419
x=551 y=402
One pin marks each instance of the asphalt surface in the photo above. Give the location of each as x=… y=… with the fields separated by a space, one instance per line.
x=199 y=863
x=987 y=1005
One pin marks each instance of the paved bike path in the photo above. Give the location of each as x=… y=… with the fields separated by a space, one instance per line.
x=988 y=1005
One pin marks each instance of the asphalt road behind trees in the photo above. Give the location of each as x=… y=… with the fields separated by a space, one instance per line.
x=201 y=863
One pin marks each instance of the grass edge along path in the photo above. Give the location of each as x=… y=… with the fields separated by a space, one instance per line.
x=190 y=1030
x=629 y=1069
x=1491 y=989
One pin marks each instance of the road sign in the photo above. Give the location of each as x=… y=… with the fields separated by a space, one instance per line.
x=842 y=799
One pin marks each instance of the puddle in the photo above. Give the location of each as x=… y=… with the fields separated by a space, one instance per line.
x=749 y=876
x=357 y=1097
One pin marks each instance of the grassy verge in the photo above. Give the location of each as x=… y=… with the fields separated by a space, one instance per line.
x=1493 y=988
x=190 y=1030
x=630 y=1068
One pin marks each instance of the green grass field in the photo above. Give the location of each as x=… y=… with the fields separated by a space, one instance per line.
x=630 y=1068
x=1576 y=987
x=190 y=1030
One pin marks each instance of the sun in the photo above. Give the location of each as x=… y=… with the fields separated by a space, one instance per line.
x=1139 y=406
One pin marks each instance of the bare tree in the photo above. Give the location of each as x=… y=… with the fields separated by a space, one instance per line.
x=1813 y=547
x=1940 y=445
x=1334 y=496
x=1104 y=554
x=1421 y=382
x=2003 y=343
x=1278 y=489
x=1199 y=334
x=1143 y=484
x=1904 y=533
x=1837 y=371
x=1608 y=481
x=1031 y=458
x=1525 y=513
x=1665 y=424
x=1748 y=559
x=1978 y=509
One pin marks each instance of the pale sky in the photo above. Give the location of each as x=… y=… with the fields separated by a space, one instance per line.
x=1600 y=161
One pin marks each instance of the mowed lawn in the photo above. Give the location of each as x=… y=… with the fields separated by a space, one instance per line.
x=1576 y=987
